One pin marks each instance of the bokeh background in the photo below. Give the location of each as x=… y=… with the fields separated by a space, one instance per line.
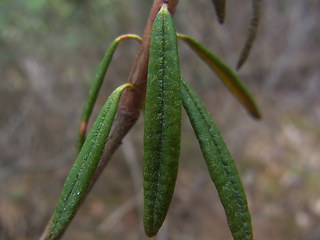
x=49 y=52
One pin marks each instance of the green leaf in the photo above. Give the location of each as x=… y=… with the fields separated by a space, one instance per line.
x=254 y=24
x=77 y=183
x=162 y=130
x=96 y=85
x=220 y=7
x=228 y=77
x=221 y=166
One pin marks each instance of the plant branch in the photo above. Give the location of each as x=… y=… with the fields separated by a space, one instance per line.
x=132 y=100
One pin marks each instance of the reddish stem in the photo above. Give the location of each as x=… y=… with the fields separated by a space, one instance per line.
x=132 y=100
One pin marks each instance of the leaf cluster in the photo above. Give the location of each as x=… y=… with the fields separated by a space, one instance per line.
x=162 y=93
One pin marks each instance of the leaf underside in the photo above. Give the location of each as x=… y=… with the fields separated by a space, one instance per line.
x=228 y=77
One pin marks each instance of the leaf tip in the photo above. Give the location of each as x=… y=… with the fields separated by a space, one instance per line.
x=220 y=6
x=256 y=114
x=254 y=24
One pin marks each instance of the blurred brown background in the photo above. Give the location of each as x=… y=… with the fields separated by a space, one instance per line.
x=49 y=51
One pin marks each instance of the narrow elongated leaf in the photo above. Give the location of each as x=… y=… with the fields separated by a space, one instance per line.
x=254 y=24
x=228 y=77
x=80 y=175
x=221 y=166
x=162 y=130
x=96 y=85
x=220 y=7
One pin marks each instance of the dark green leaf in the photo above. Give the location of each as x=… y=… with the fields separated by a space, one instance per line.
x=77 y=183
x=221 y=165
x=162 y=130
